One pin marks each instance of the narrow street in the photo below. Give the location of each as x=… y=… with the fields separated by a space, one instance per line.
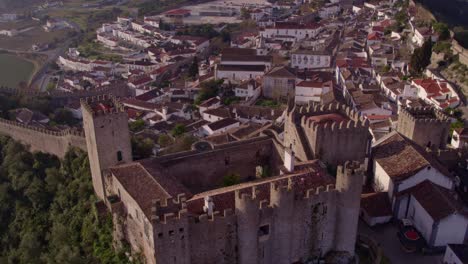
x=386 y=237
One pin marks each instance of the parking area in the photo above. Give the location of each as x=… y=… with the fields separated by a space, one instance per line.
x=387 y=238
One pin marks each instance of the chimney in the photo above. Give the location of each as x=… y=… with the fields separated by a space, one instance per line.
x=208 y=206
x=164 y=112
x=289 y=159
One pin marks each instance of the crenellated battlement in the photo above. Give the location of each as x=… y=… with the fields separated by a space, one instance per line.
x=350 y=168
x=203 y=218
x=313 y=192
x=60 y=133
x=164 y=210
x=354 y=120
x=102 y=105
x=314 y=130
x=424 y=115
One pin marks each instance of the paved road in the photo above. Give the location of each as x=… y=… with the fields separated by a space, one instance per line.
x=386 y=237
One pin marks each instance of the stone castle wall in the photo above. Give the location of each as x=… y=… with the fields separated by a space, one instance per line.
x=424 y=131
x=240 y=158
x=299 y=226
x=44 y=140
x=333 y=142
x=462 y=52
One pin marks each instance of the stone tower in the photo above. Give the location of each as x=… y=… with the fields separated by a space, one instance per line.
x=333 y=133
x=349 y=181
x=426 y=126
x=107 y=136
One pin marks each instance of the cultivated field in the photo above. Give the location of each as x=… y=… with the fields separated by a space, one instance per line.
x=14 y=70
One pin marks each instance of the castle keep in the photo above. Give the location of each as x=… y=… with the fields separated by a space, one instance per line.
x=175 y=208
x=333 y=133
x=426 y=126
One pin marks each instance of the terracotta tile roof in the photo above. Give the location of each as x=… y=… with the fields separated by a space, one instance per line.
x=131 y=102
x=222 y=123
x=220 y=112
x=313 y=84
x=243 y=68
x=376 y=204
x=436 y=200
x=401 y=158
x=210 y=102
x=328 y=118
x=178 y=12
x=281 y=72
x=140 y=185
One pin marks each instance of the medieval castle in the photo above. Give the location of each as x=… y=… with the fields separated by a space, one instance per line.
x=175 y=209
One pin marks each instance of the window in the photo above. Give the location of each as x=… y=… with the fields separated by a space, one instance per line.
x=264 y=230
x=119 y=155
x=171 y=232
x=181 y=230
x=160 y=235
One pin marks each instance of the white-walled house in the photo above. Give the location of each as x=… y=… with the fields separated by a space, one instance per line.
x=216 y=114
x=291 y=31
x=219 y=126
x=456 y=254
x=460 y=138
x=311 y=91
x=436 y=213
x=311 y=59
x=239 y=73
x=248 y=89
x=400 y=164
x=437 y=92
x=211 y=103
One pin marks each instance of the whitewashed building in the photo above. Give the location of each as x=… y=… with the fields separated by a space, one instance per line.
x=311 y=91
x=311 y=59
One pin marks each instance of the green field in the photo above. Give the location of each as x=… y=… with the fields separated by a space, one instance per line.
x=14 y=69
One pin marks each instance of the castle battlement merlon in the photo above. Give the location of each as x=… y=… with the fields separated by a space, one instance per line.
x=412 y=113
x=117 y=106
x=173 y=207
x=60 y=133
x=350 y=167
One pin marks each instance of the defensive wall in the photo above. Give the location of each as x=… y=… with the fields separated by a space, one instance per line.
x=242 y=158
x=61 y=98
x=45 y=140
x=462 y=53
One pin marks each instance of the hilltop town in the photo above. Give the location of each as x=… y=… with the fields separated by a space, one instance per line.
x=258 y=132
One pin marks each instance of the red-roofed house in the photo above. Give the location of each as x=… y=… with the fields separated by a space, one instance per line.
x=437 y=92
x=177 y=13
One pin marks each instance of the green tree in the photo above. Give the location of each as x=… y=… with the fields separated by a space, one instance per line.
x=137 y=125
x=442 y=29
x=47 y=210
x=208 y=90
x=142 y=147
x=231 y=179
x=164 y=140
x=421 y=58
x=63 y=116
x=178 y=130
